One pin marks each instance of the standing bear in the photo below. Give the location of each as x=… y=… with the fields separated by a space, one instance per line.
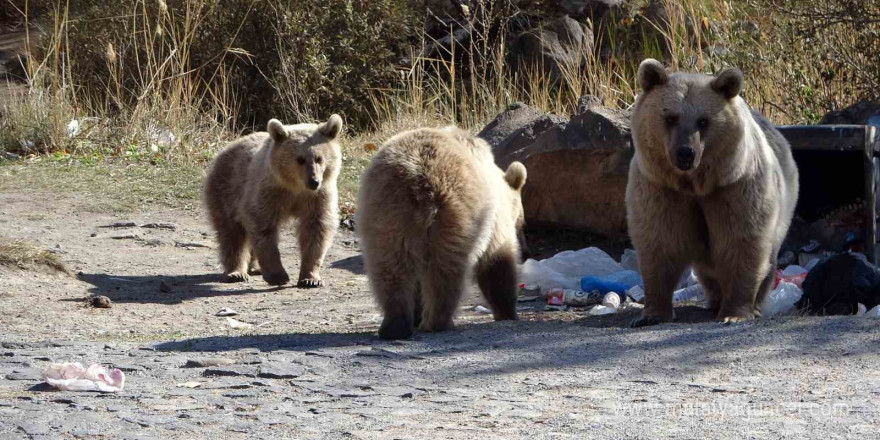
x=434 y=210
x=712 y=185
x=262 y=180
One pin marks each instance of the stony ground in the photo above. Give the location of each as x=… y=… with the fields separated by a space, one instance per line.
x=313 y=367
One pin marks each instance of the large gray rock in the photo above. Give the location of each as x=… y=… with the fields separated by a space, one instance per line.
x=577 y=166
x=557 y=47
x=857 y=114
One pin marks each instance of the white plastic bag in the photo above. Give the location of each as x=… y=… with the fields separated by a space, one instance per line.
x=565 y=269
x=781 y=300
x=629 y=260
x=73 y=377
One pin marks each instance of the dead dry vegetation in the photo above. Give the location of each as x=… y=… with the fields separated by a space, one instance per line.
x=140 y=95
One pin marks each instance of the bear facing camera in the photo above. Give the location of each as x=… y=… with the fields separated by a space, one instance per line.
x=712 y=185
x=259 y=182
x=434 y=210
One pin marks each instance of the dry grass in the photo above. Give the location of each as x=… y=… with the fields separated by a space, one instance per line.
x=25 y=255
x=154 y=148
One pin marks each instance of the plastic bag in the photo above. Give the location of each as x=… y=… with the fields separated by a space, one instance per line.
x=629 y=260
x=781 y=300
x=565 y=269
x=73 y=377
x=615 y=282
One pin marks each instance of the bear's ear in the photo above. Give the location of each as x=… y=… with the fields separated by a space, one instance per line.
x=652 y=74
x=515 y=175
x=276 y=130
x=728 y=83
x=332 y=127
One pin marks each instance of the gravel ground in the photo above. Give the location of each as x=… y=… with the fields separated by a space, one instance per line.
x=314 y=367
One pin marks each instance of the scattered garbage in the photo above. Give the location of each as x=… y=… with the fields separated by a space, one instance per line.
x=612 y=299
x=189 y=385
x=73 y=377
x=72 y=128
x=602 y=310
x=839 y=283
x=781 y=300
x=616 y=282
x=577 y=298
x=238 y=325
x=873 y=313
x=100 y=302
x=793 y=274
x=226 y=311
x=483 y=310
x=565 y=269
x=637 y=293
x=691 y=293
x=629 y=261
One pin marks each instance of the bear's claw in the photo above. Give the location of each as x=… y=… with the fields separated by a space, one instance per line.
x=235 y=277
x=310 y=283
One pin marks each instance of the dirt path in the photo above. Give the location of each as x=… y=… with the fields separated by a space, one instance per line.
x=315 y=368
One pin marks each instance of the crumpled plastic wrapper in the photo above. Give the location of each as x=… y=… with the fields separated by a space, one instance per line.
x=74 y=377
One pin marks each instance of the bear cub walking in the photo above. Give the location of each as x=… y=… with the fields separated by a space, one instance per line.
x=434 y=209
x=712 y=185
x=262 y=180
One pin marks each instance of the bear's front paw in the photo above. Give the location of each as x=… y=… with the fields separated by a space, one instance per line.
x=276 y=279
x=735 y=319
x=235 y=277
x=309 y=282
x=646 y=321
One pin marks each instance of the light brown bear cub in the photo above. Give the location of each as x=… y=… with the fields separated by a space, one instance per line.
x=712 y=185
x=262 y=180
x=434 y=209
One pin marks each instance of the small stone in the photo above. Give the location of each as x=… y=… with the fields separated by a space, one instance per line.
x=167 y=226
x=164 y=287
x=32 y=427
x=208 y=362
x=123 y=224
x=407 y=395
x=24 y=375
x=226 y=311
x=230 y=371
x=276 y=371
x=100 y=302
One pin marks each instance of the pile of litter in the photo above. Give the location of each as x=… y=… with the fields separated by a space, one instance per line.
x=591 y=278
x=74 y=377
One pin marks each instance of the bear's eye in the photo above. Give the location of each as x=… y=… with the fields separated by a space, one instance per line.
x=702 y=123
x=301 y=160
x=670 y=120
x=319 y=160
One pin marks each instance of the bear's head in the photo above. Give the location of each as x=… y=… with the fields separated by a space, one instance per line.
x=681 y=120
x=304 y=156
x=515 y=176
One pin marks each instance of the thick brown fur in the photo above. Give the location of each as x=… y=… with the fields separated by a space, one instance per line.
x=711 y=185
x=262 y=180
x=434 y=210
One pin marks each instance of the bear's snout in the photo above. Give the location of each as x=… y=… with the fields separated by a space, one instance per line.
x=313 y=184
x=684 y=158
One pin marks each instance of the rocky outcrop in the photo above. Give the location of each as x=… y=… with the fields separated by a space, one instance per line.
x=577 y=166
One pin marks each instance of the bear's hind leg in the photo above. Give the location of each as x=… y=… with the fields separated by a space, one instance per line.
x=394 y=282
x=232 y=238
x=496 y=277
x=442 y=285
